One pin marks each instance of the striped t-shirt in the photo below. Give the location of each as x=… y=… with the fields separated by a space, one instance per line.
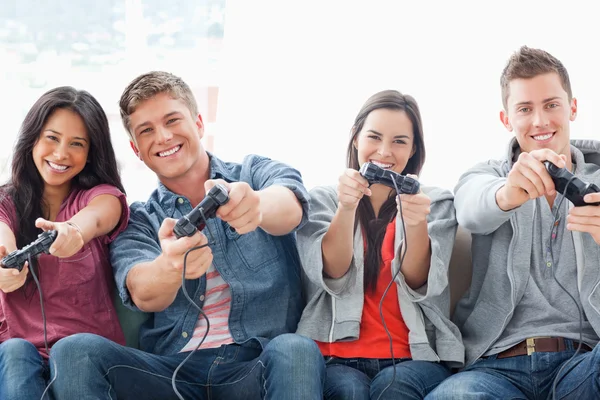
x=217 y=304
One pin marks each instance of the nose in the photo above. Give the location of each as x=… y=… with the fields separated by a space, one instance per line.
x=384 y=150
x=540 y=118
x=61 y=151
x=163 y=136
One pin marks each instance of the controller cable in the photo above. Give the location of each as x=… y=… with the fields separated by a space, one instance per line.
x=211 y=241
x=556 y=217
x=39 y=287
x=405 y=247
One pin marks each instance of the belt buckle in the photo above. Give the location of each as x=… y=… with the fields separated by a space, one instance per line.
x=530 y=344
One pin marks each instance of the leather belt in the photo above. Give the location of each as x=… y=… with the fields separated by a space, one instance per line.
x=540 y=344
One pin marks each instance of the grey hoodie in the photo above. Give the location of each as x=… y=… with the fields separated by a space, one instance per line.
x=334 y=306
x=502 y=245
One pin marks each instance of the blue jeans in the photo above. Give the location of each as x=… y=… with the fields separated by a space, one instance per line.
x=526 y=377
x=92 y=367
x=367 y=378
x=23 y=372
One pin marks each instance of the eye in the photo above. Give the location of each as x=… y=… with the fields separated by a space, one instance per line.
x=552 y=105
x=374 y=137
x=172 y=120
x=79 y=144
x=524 y=109
x=52 y=137
x=400 y=141
x=145 y=131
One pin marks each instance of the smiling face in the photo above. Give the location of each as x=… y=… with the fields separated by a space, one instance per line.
x=539 y=111
x=386 y=139
x=167 y=136
x=61 y=150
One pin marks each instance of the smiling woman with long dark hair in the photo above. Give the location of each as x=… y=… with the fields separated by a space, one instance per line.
x=64 y=178
x=377 y=335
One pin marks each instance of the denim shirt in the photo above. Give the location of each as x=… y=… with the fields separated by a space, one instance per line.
x=263 y=271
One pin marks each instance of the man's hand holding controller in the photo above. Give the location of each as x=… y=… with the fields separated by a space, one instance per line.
x=528 y=179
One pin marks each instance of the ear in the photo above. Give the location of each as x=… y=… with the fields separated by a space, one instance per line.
x=505 y=121
x=200 y=126
x=573 y=109
x=354 y=137
x=135 y=149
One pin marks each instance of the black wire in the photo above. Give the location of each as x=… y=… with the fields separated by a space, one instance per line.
x=187 y=296
x=405 y=247
x=553 y=392
x=39 y=287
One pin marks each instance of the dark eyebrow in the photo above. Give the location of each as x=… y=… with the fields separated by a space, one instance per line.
x=395 y=137
x=60 y=134
x=149 y=123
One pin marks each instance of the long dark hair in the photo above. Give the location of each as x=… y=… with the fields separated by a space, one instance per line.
x=374 y=227
x=26 y=186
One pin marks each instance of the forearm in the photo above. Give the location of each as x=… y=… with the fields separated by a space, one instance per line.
x=98 y=218
x=281 y=210
x=507 y=202
x=337 y=244
x=7 y=238
x=417 y=260
x=151 y=288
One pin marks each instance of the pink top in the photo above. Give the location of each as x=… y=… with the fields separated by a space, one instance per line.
x=77 y=291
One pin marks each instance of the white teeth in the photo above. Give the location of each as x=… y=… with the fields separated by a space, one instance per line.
x=169 y=152
x=543 y=137
x=57 y=167
x=382 y=165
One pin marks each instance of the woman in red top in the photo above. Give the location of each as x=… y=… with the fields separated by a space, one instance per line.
x=380 y=339
x=64 y=178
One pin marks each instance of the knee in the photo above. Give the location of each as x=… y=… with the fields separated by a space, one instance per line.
x=296 y=345
x=300 y=349
x=77 y=347
x=14 y=349
x=455 y=387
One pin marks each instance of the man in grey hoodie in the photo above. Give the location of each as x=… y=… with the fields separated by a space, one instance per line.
x=534 y=297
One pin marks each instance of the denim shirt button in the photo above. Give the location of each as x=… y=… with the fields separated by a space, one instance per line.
x=202 y=298
x=184 y=334
x=180 y=200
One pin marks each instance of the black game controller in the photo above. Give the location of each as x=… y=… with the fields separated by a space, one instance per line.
x=375 y=174
x=17 y=258
x=190 y=223
x=577 y=188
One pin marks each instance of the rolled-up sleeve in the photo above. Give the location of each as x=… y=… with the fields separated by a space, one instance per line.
x=138 y=243
x=267 y=172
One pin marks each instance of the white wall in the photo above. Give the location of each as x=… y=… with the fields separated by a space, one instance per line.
x=296 y=73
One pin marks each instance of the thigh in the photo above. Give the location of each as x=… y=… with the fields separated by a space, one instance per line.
x=289 y=367
x=343 y=382
x=476 y=385
x=108 y=367
x=408 y=380
x=579 y=379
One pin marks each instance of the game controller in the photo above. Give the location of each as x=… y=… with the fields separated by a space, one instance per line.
x=577 y=188
x=190 y=223
x=375 y=174
x=17 y=258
